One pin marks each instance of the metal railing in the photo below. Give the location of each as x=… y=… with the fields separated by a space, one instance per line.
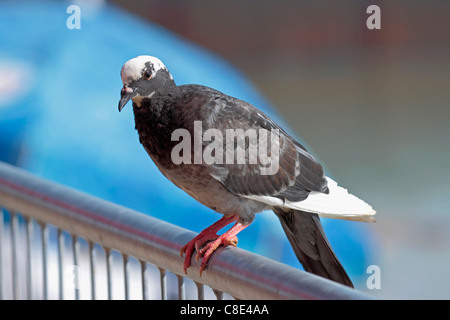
x=59 y=243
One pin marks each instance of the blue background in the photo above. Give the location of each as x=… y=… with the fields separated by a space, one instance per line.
x=59 y=118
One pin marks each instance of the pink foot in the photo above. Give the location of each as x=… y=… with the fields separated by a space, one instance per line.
x=203 y=237
x=226 y=239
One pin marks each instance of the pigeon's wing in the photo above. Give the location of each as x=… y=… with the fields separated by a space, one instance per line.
x=260 y=158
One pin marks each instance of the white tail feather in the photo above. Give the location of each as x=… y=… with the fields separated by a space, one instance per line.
x=337 y=204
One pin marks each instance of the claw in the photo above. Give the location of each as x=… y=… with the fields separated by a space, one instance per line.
x=208 y=241
x=207 y=251
x=201 y=242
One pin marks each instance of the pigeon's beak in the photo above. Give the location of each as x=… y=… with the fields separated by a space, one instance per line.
x=125 y=95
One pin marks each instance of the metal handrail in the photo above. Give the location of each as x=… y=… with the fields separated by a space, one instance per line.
x=241 y=274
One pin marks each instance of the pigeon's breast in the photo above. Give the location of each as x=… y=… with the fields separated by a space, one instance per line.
x=167 y=130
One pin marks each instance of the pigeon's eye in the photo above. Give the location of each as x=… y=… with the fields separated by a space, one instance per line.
x=147 y=75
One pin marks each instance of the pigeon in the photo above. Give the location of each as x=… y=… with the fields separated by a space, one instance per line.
x=234 y=159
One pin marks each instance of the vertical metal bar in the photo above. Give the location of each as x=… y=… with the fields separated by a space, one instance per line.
x=200 y=290
x=9 y=283
x=181 y=288
x=44 y=259
x=75 y=266
x=29 y=283
x=60 y=264
x=218 y=294
x=163 y=279
x=108 y=272
x=144 y=280
x=125 y=276
x=15 y=275
x=92 y=273
x=20 y=248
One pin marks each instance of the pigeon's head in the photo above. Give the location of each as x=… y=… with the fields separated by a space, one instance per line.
x=142 y=77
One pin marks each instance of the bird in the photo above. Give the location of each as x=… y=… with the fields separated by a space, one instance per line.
x=186 y=129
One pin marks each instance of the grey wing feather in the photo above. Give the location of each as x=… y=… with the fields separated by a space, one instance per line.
x=298 y=172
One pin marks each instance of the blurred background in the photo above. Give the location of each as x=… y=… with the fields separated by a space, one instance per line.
x=372 y=105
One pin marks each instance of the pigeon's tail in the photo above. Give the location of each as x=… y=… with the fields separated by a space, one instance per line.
x=307 y=237
x=338 y=203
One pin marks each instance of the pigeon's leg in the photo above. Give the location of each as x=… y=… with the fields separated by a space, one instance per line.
x=206 y=235
x=228 y=238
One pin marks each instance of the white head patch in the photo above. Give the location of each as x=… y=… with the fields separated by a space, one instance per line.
x=132 y=69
